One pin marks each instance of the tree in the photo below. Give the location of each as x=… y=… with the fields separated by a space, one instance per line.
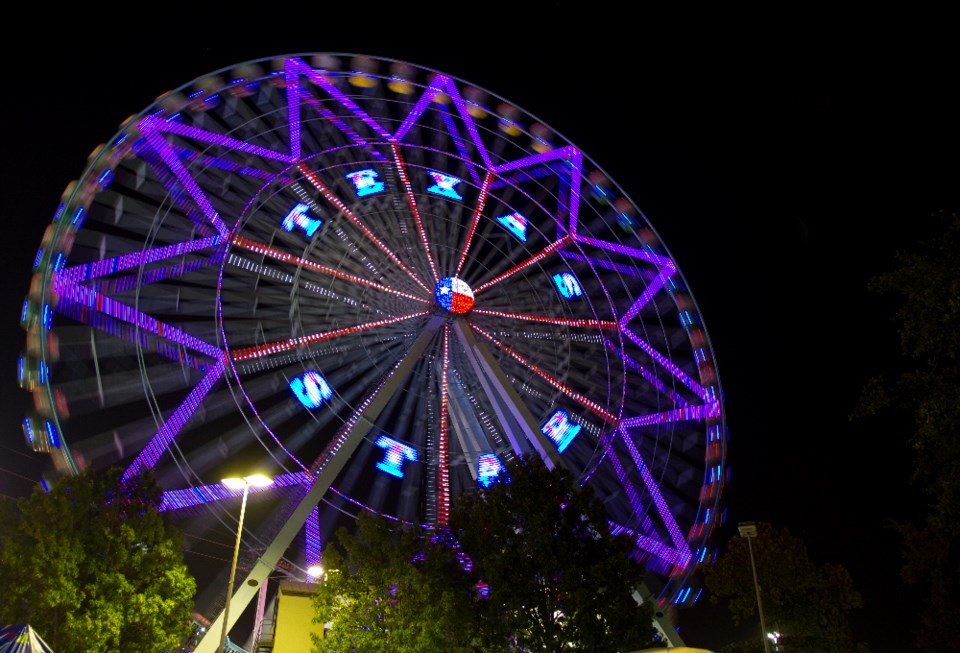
x=558 y=579
x=927 y=283
x=808 y=604
x=93 y=566
x=395 y=589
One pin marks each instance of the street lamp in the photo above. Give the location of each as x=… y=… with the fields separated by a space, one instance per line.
x=748 y=529
x=245 y=483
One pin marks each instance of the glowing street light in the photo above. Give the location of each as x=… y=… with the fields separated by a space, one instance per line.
x=315 y=571
x=245 y=483
x=748 y=529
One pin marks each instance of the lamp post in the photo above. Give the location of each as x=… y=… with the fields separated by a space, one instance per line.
x=256 y=480
x=748 y=529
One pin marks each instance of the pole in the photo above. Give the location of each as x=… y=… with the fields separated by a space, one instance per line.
x=756 y=586
x=233 y=569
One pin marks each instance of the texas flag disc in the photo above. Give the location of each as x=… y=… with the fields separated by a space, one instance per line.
x=454 y=295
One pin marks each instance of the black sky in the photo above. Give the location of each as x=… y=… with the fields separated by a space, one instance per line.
x=782 y=171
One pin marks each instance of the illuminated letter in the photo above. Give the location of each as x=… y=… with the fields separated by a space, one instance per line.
x=567 y=285
x=444 y=185
x=396 y=454
x=560 y=430
x=311 y=389
x=298 y=218
x=488 y=468
x=366 y=182
x=515 y=224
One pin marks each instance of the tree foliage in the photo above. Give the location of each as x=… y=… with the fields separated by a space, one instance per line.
x=389 y=589
x=93 y=566
x=558 y=579
x=808 y=604
x=927 y=283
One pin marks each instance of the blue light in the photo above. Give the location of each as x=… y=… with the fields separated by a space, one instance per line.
x=488 y=469
x=396 y=454
x=28 y=429
x=47 y=316
x=77 y=218
x=36 y=260
x=311 y=389
x=560 y=430
x=365 y=181
x=567 y=285
x=515 y=224
x=60 y=262
x=26 y=308
x=20 y=366
x=444 y=185
x=298 y=218
x=52 y=436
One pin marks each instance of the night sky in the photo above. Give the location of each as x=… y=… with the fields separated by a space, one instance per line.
x=781 y=172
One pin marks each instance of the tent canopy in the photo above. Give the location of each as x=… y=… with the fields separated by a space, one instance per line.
x=21 y=638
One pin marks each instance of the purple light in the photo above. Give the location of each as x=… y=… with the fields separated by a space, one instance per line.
x=313 y=546
x=688 y=413
x=203 y=135
x=293 y=106
x=458 y=102
x=682 y=550
x=167 y=154
x=195 y=496
x=458 y=141
x=668 y=365
x=311 y=389
x=396 y=454
x=78 y=294
x=317 y=78
x=151 y=453
x=87 y=271
x=429 y=93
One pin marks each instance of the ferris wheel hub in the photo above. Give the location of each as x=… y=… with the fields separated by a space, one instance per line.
x=454 y=295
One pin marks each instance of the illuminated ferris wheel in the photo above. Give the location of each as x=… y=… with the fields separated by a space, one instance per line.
x=383 y=284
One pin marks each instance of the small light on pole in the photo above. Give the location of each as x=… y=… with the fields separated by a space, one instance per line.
x=748 y=530
x=245 y=483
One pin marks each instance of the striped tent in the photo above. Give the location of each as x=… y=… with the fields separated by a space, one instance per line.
x=21 y=638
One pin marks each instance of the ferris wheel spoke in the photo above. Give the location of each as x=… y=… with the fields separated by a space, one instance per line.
x=249 y=353
x=402 y=171
x=282 y=256
x=584 y=401
x=477 y=212
x=536 y=258
x=558 y=321
x=647 y=375
x=158 y=444
x=298 y=66
x=200 y=494
x=91 y=299
x=87 y=271
x=679 y=554
x=296 y=94
x=443 y=448
x=314 y=180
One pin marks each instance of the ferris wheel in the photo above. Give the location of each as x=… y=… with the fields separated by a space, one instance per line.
x=383 y=284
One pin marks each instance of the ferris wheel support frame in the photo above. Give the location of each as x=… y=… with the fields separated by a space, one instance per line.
x=268 y=560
